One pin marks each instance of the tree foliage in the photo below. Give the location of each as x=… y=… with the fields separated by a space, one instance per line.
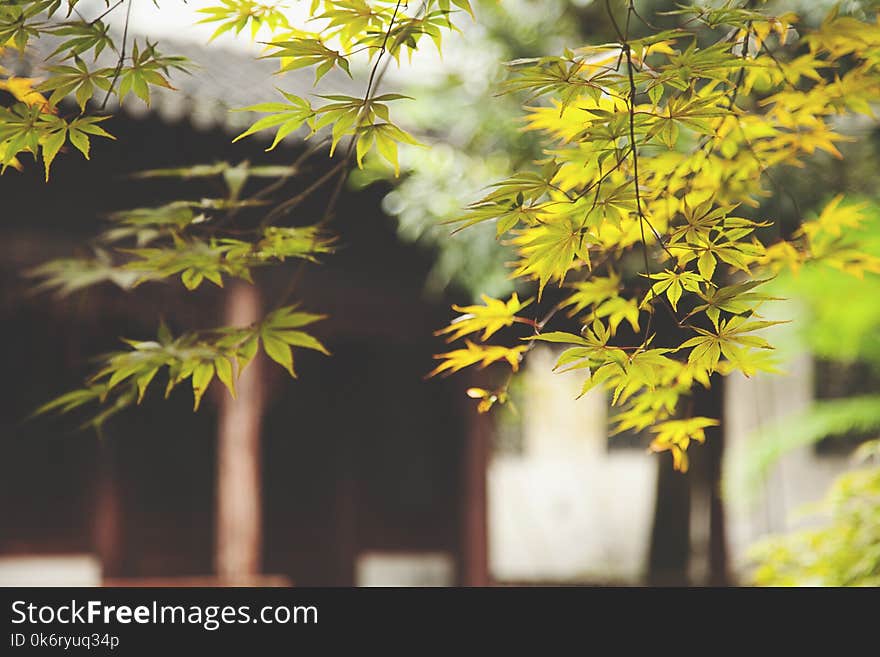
x=37 y=125
x=842 y=544
x=203 y=240
x=655 y=149
x=843 y=551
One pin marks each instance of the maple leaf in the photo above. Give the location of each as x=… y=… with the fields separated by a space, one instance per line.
x=673 y=284
x=550 y=250
x=489 y=318
x=595 y=291
x=473 y=354
x=286 y=117
x=735 y=299
x=278 y=334
x=676 y=436
x=23 y=89
x=733 y=341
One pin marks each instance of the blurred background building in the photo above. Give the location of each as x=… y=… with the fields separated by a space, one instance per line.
x=359 y=472
x=353 y=464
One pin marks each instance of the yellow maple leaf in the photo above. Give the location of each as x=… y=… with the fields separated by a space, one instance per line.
x=550 y=250
x=676 y=436
x=22 y=89
x=473 y=354
x=489 y=318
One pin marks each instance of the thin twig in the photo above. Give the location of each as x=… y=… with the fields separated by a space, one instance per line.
x=635 y=158
x=343 y=165
x=643 y=220
x=294 y=201
x=107 y=11
x=121 y=57
x=295 y=168
x=591 y=186
x=635 y=13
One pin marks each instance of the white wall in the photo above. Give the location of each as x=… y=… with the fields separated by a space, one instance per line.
x=567 y=508
x=797 y=479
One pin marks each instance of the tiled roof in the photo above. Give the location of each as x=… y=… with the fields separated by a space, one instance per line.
x=221 y=80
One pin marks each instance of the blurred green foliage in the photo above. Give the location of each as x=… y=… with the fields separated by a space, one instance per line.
x=842 y=325
x=844 y=551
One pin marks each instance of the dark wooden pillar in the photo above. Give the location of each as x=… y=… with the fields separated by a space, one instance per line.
x=109 y=530
x=239 y=503
x=669 y=555
x=475 y=549
x=345 y=509
x=671 y=538
x=707 y=479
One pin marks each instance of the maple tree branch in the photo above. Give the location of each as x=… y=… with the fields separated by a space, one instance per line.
x=288 y=205
x=643 y=220
x=106 y=11
x=119 y=64
x=343 y=167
